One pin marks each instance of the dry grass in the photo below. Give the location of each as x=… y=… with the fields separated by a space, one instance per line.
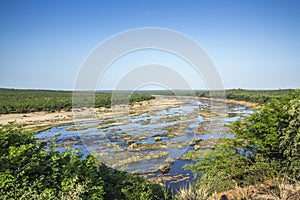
x=283 y=189
x=278 y=190
x=190 y=193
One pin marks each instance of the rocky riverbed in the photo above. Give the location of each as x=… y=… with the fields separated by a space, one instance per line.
x=150 y=138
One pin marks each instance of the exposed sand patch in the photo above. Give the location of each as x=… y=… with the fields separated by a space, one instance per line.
x=38 y=118
x=48 y=119
x=231 y=101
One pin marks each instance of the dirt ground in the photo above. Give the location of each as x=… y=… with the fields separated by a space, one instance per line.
x=43 y=119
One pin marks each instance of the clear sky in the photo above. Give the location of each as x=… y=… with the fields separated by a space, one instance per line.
x=254 y=44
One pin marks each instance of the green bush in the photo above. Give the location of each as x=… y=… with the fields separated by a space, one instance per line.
x=275 y=132
x=267 y=147
x=29 y=172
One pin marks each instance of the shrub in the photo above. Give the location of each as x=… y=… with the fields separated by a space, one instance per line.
x=267 y=147
x=27 y=171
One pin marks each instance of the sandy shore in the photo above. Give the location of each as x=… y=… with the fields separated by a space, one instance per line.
x=44 y=120
x=38 y=119
x=235 y=102
x=41 y=120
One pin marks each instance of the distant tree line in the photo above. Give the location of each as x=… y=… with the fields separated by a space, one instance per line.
x=25 y=101
x=258 y=96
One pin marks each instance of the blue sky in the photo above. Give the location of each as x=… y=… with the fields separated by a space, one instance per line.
x=254 y=44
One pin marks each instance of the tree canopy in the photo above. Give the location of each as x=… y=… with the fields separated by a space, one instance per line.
x=27 y=171
x=267 y=146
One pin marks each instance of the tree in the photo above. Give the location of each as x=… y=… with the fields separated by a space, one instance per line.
x=275 y=132
x=267 y=146
x=27 y=171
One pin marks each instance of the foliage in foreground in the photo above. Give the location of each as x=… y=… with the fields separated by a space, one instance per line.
x=267 y=147
x=29 y=172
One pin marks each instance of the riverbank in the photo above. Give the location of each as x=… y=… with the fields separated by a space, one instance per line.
x=248 y=104
x=38 y=120
x=43 y=120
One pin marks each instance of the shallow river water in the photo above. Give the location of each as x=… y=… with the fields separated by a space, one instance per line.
x=152 y=143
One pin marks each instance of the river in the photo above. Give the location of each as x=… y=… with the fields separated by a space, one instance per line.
x=152 y=143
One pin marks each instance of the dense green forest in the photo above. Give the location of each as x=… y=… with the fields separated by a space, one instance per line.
x=258 y=96
x=24 y=101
